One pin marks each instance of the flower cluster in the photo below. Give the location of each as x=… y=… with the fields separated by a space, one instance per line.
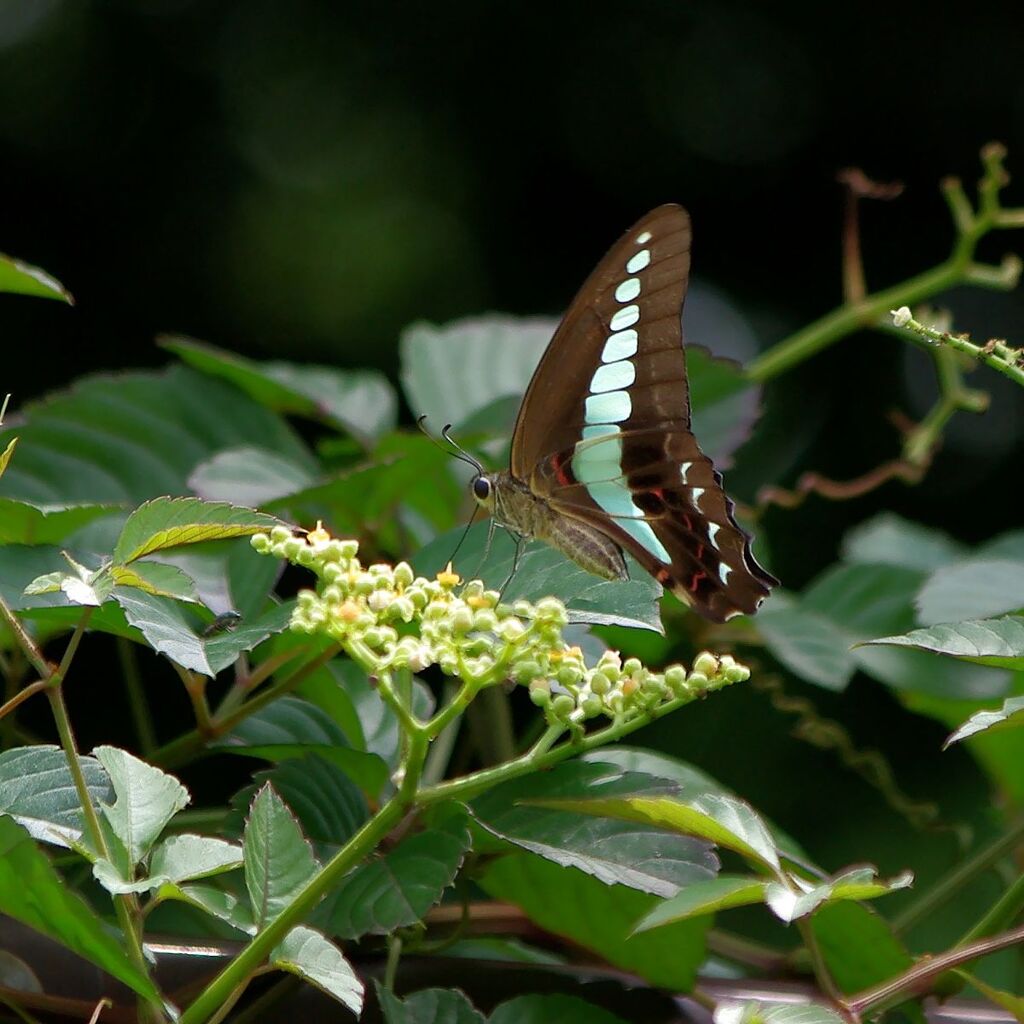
x=387 y=618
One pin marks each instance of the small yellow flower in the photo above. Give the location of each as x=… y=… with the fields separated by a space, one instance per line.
x=319 y=535
x=349 y=611
x=447 y=577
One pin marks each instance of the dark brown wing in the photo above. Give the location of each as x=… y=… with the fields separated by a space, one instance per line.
x=603 y=434
x=552 y=415
x=662 y=500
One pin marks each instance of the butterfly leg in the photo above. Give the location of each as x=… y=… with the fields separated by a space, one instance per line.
x=520 y=545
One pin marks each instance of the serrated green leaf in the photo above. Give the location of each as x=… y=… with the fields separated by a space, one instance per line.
x=131 y=437
x=156 y=579
x=278 y=859
x=360 y=402
x=640 y=856
x=888 y=539
x=171 y=522
x=720 y=819
x=291 y=727
x=249 y=476
x=858 y=945
x=995 y=642
x=37 y=790
x=7 y=454
x=224 y=648
x=797 y=898
x=21 y=278
x=25 y=522
x=48 y=583
x=724 y=405
x=114 y=881
x=223 y=905
x=452 y=371
x=184 y=857
x=429 y=1006
x=145 y=800
x=981 y=721
x=546 y=1009
x=308 y=954
x=398 y=889
x=706 y=897
x=977 y=588
x=1009 y=1001
x=599 y=917
x=810 y=645
x=32 y=892
x=165 y=627
x=329 y=806
x=777 y=1013
x=544 y=572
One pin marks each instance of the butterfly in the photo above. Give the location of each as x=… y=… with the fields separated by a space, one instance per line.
x=603 y=459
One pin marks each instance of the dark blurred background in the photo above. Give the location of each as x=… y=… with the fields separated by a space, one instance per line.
x=302 y=179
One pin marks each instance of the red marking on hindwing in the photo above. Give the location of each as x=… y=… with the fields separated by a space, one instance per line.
x=558 y=465
x=695 y=581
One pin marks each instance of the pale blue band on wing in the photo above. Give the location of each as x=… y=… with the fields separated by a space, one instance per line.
x=620 y=346
x=597 y=464
x=625 y=317
x=613 y=377
x=611 y=407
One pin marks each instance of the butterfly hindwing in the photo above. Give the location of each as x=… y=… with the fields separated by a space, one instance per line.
x=658 y=496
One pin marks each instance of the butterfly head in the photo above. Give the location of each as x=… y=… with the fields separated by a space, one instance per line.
x=483 y=487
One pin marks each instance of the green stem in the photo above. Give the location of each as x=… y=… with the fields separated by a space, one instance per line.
x=23 y=695
x=126 y=907
x=949 y=886
x=490 y=720
x=394 y=956
x=539 y=757
x=810 y=340
x=248 y=682
x=959 y=268
x=141 y=718
x=821 y=972
x=187 y=746
x=443 y=739
x=25 y=642
x=364 y=842
x=918 y=980
x=1006 y=909
x=1001 y=358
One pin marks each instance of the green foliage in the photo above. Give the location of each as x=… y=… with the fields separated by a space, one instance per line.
x=366 y=794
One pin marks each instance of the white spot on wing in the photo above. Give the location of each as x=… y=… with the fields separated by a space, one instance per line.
x=638 y=262
x=611 y=407
x=713 y=528
x=644 y=236
x=613 y=377
x=684 y=468
x=625 y=317
x=628 y=290
x=697 y=494
x=620 y=346
x=723 y=572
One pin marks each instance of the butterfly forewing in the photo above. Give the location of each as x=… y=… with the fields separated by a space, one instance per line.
x=603 y=433
x=598 y=344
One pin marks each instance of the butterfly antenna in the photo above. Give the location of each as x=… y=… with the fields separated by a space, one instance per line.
x=453 y=448
x=461 y=452
x=465 y=532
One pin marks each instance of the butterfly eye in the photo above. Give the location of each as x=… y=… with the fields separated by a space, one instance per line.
x=481 y=488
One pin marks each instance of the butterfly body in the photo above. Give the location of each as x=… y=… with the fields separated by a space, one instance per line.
x=603 y=459
x=514 y=506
